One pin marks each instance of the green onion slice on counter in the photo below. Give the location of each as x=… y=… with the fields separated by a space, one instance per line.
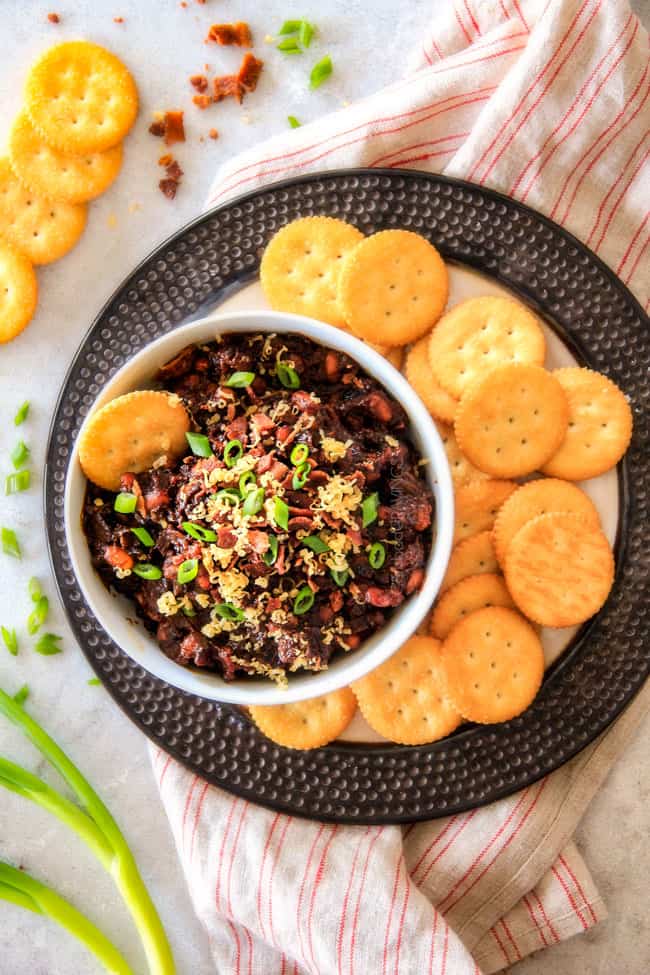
x=20 y=454
x=10 y=544
x=48 y=645
x=320 y=72
x=17 y=482
x=10 y=640
x=21 y=414
x=38 y=615
x=293 y=122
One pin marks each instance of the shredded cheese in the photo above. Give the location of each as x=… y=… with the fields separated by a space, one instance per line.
x=339 y=498
x=334 y=449
x=167 y=604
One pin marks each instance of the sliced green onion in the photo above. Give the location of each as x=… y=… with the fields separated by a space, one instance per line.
x=247 y=482
x=316 y=544
x=38 y=615
x=17 y=482
x=34 y=589
x=253 y=501
x=144 y=537
x=233 y=450
x=271 y=553
x=187 y=571
x=48 y=645
x=303 y=601
x=10 y=640
x=199 y=532
x=289 y=46
x=320 y=72
x=287 y=375
x=21 y=695
x=300 y=476
x=228 y=494
x=306 y=33
x=21 y=415
x=369 y=509
x=228 y=612
x=299 y=454
x=125 y=503
x=281 y=513
x=293 y=121
x=20 y=454
x=340 y=577
x=147 y=571
x=240 y=380
x=10 y=544
x=94 y=682
x=290 y=27
x=376 y=555
x=199 y=445
x=189 y=610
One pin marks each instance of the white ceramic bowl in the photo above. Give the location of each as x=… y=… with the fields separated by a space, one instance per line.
x=115 y=613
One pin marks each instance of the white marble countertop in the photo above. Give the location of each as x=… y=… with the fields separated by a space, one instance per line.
x=163 y=43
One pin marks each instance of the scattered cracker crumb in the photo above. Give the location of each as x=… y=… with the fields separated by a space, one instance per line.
x=111 y=221
x=207 y=67
x=213 y=134
x=246 y=119
x=345 y=103
x=54 y=18
x=134 y=205
x=269 y=39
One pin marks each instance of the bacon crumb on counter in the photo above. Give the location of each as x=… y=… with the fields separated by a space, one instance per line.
x=213 y=134
x=118 y=20
x=168 y=187
x=200 y=82
x=225 y=86
x=169 y=126
x=202 y=101
x=226 y=34
x=249 y=72
x=166 y=160
x=54 y=18
x=174 y=171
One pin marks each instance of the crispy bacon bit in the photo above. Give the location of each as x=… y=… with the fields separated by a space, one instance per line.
x=166 y=160
x=118 y=20
x=199 y=81
x=157 y=127
x=225 y=86
x=202 y=101
x=54 y=18
x=249 y=72
x=213 y=134
x=118 y=558
x=225 y=34
x=174 y=129
x=174 y=171
x=168 y=187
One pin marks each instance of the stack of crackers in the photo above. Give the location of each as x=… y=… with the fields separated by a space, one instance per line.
x=64 y=150
x=528 y=546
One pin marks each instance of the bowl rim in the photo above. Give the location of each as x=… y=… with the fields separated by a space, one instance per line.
x=378 y=648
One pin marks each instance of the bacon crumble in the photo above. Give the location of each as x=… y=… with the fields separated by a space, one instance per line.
x=227 y=34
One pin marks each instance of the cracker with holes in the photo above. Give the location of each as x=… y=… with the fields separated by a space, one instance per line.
x=493 y=665
x=55 y=175
x=81 y=98
x=44 y=230
x=301 y=264
x=418 y=372
x=393 y=287
x=18 y=291
x=512 y=420
x=538 y=498
x=600 y=425
x=403 y=699
x=462 y=470
x=306 y=724
x=468 y=595
x=559 y=569
x=130 y=433
x=473 y=556
x=477 y=505
x=394 y=355
x=479 y=334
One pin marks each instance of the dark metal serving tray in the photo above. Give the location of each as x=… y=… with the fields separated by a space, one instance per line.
x=605 y=328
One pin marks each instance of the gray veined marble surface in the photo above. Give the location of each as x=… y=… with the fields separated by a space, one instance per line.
x=164 y=42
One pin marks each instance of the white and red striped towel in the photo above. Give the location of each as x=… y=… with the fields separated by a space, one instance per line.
x=547 y=102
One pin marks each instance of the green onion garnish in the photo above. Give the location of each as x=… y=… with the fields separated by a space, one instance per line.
x=369 y=509
x=147 y=571
x=320 y=72
x=228 y=494
x=240 y=380
x=271 y=553
x=299 y=454
x=188 y=610
x=48 y=645
x=376 y=555
x=253 y=501
x=301 y=476
x=20 y=454
x=187 y=571
x=94 y=682
x=289 y=46
x=38 y=615
x=303 y=601
x=34 y=589
x=21 y=415
x=199 y=532
x=125 y=503
x=246 y=483
x=340 y=577
x=316 y=544
x=199 y=445
x=17 y=482
x=10 y=640
x=10 y=544
x=228 y=612
x=281 y=513
x=290 y=27
x=293 y=121
x=233 y=450
x=21 y=696
x=306 y=33
x=287 y=375
x=144 y=537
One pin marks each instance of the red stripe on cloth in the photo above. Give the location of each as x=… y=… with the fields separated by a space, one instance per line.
x=164 y=772
x=186 y=810
x=545 y=90
x=579 y=888
x=197 y=818
x=303 y=887
x=317 y=882
x=217 y=892
x=400 y=930
x=433 y=941
x=284 y=965
x=344 y=905
x=462 y=26
x=233 y=928
x=570 y=897
x=426 y=55
x=610 y=190
x=520 y=14
x=261 y=874
x=604 y=148
x=533 y=917
x=547 y=921
x=295 y=968
x=472 y=18
x=467 y=818
x=233 y=853
x=441 y=835
x=504 y=11
x=510 y=938
x=445 y=946
x=630 y=246
x=582 y=114
x=629 y=277
x=529 y=90
x=436 y=49
x=498 y=940
x=355 y=918
x=418 y=145
x=389 y=922
x=617 y=203
x=425 y=155
x=249 y=942
x=283 y=834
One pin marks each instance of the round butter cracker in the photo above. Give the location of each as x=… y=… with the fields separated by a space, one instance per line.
x=472 y=556
x=306 y=724
x=418 y=372
x=18 y=291
x=468 y=595
x=477 y=505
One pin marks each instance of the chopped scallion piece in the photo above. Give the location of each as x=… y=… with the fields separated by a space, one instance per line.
x=303 y=601
x=287 y=375
x=10 y=640
x=301 y=476
x=199 y=532
x=48 y=645
x=369 y=509
x=94 y=682
x=293 y=122
x=271 y=553
x=320 y=72
x=144 y=537
x=253 y=501
x=17 y=482
x=290 y=27
x=281 y=513
x=232 y=452
x=305 y=33
x=20 y=455
x=299 y=454
x=228 y=612
x=228 y=494
x=247 y=482
x=340 y=578
x=147 y=571
x=376 y=555
x=34 y=589
x=187 y=571
x=199 y=445
x=125 y=503
x=188 y=610
x=38 y=615
x=10 y=544
x=21 y=415
x=240 y=380
x=21 y=696
x=316 y=544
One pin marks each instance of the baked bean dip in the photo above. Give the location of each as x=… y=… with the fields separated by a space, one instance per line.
x=296 y=525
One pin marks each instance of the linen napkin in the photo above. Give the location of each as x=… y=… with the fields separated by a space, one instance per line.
x=547 y=102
